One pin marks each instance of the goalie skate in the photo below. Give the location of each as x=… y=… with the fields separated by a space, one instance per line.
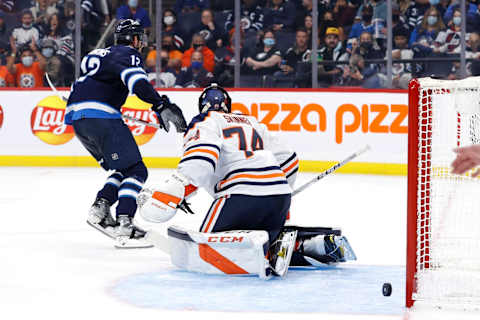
x=281 y=253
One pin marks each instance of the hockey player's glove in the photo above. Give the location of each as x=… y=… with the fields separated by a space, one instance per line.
x=169 y=112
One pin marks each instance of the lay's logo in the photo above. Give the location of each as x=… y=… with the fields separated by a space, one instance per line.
x=47 y=121
x=139 y=109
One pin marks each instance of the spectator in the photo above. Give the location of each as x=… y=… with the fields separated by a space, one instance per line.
x=379 y=9
x=306 y=9
x=42 y=10
x=344 y=13
x=295 y=55
x=280 y=15
x=221 y=5
x=195 y=75
x=94 y=19
x=367 y=49
x=225 y=60
x=266 y=59
x=28 y=73
x=7 y=5
x=4 y=29
x=69 y=17
x=473 y=52
x=441 y=5
x=171 y=28
x=3 y=52
x=132 y=10
x=423 y=36
x=6 y=78
x=473 y=16
x=207 y=27
x=331 y=74
x=48 y=48
x=167 y=76
x=365 y=25
x=356 y=72
x=401 y=71
x=24 y=34
x=54 y=31
x=328 y=21
x=198 y=44
x=448 y=41
x=174 y=56
x=415 y=13
x=308 y=25
x=61 y=67
x=252 y=18
x=187 y=6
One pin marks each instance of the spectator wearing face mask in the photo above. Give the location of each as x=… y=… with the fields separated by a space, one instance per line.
x=195 y=75
x=423 y=36
x=171 y=28
x=133 y=10
x=368 y=50
x=28 y=73
x=167 y=76
x=379 y=9
x=358 y=28
x=48 y=48
x=473 y=15
x=198 y=44
x=25 y=33
x=448 y=41
x=266 y=60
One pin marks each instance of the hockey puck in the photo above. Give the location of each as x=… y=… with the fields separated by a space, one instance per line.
x=387 y=289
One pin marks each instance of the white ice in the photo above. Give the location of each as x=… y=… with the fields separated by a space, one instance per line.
x=53 y=265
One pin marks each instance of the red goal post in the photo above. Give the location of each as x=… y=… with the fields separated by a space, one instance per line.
x=443 y=210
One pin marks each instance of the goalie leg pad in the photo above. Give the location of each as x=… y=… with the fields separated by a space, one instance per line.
x=230 y=252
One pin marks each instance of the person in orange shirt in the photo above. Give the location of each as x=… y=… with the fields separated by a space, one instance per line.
x=6 y=78
x=28 y=73
x=198 y=44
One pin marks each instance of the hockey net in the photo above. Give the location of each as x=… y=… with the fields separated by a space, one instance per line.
x=443 y=240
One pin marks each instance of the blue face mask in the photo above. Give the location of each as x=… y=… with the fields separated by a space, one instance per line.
x=196 y=64
x=132 y=3
x=457 y=21
x=431 y=20
x=434 y=2
x=269 y=42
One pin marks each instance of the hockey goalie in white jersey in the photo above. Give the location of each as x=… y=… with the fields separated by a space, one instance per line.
x=250 y=174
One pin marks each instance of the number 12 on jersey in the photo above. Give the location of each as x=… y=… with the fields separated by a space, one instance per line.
x=256 y=143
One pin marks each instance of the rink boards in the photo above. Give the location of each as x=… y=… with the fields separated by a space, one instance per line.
x=324 y=126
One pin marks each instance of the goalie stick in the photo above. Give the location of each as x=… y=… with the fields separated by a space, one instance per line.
x=124 y=116
x=161 y=242
x=331 y=169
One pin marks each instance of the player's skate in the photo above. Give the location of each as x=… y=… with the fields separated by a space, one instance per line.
x=100 y=218
x=328 y=249
x=129 y=236
x=280 y=252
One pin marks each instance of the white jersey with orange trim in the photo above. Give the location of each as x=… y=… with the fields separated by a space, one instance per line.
x=235 y=154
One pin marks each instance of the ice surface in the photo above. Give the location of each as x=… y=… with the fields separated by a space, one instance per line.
x=53 y=265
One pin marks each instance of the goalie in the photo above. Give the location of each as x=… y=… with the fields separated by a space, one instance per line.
x=250 y=175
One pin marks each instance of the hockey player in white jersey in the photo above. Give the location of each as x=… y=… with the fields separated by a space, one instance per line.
x=250 y=174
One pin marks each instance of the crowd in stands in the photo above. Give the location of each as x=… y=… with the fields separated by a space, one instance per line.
x=198 y=43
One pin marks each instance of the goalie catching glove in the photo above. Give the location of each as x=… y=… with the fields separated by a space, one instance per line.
x=160 y=203
x=166 y=112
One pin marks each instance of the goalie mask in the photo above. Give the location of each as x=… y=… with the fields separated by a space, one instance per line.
x=214 y=98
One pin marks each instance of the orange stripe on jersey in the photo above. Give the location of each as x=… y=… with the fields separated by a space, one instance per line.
x=222 y=263
x=213 y=153
x=253 y=176
x=166 y=198
x=213 y=214
x=291 y=166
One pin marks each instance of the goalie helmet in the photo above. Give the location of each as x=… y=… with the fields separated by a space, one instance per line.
x=126 y=30
x=214 y=98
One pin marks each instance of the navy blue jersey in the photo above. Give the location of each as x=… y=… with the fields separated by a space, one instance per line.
x=107 y=77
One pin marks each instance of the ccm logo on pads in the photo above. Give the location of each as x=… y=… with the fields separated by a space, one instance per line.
x=225 y=239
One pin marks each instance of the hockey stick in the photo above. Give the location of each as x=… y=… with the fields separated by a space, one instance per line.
x=124 y=116
x=331 y=169
x=161 y=242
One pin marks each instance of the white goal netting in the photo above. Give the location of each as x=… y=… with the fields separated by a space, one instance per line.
x=448 y=206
